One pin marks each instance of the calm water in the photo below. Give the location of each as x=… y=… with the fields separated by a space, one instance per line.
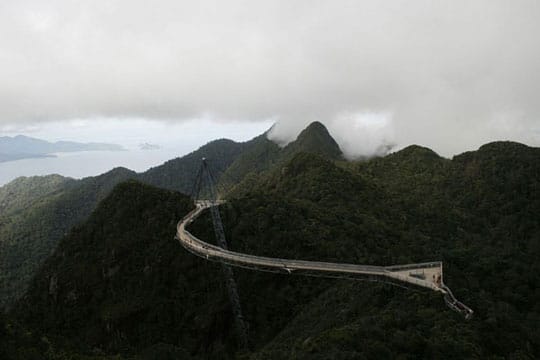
x=86 y=163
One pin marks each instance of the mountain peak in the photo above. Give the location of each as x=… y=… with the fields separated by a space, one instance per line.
x=503 y=146
x=316 y=126
x=418 y=151
x=315 y=129
x=315 y=139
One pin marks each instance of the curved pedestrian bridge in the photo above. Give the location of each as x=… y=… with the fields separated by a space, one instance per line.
x=427 y=275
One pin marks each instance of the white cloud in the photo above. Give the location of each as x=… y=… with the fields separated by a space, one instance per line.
x=445 y=70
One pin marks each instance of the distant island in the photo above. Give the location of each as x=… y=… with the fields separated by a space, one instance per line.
x=147 y=146
x=25 y=147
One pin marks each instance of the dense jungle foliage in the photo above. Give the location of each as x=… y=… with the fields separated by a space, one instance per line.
x=179 y=174
x=39 y=212
x=36 y=212
x=119 y=285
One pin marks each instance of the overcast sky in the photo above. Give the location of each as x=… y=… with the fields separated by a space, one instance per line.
x=450 y=75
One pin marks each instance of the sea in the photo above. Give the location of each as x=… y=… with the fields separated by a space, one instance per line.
x=86 y=163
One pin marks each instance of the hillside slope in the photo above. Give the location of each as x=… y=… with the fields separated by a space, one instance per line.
x=22 y=192
x=121 y=283
x=179 y=174
x=95 y=292
x=38 y=211
x=30 y=234
x=50 y=206
x=264 y=155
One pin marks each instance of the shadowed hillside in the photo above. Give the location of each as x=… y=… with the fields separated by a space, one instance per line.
x=29 y=233
x=120 y=284
x=37 y=211
x=264 y=154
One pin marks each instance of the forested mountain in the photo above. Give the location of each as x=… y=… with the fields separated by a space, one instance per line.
x=263 y=154
x=49 y=206
x=231 y=162
x=120 y=285
x=36 y=220
x=179 y=174
x=38 y=211
x=21 y=192
x=314 y=139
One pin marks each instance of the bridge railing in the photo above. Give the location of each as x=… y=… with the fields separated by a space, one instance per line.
x=206 y=250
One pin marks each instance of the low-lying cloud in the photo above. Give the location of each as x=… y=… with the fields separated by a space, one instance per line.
x=447 y=74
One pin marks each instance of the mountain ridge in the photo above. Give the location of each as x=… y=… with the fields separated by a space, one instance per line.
x=476 y=212
x=315 y=139
x=264 y=154
x=239 y=168
x=309 y=208
x=31 y=227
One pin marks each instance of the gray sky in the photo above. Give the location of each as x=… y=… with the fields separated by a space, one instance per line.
x=450 y=75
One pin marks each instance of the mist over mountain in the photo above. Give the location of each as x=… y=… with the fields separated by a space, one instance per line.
x=38 y=211
x=448 y=75
x=118 y=284
x=263 y=154
x=304 y=180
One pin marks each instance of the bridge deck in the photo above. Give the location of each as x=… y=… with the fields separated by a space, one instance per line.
x=427 y=275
